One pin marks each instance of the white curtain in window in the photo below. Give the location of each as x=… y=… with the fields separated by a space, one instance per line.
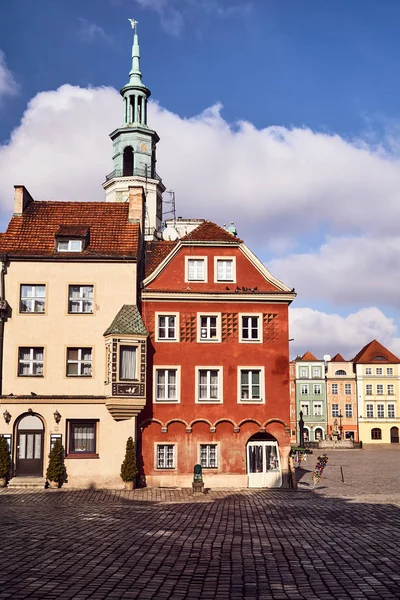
x=128 y=362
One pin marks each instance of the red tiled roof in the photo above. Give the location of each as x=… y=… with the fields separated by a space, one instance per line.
x=155 y=254
x=210 y=232
x=33 y=233
x=73 y=230
x=308 y=356
x=338 y=358
x=375 y=353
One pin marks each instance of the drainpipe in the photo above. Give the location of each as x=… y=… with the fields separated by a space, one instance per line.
x=3 y=315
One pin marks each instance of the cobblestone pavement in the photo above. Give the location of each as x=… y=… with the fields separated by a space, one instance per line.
x=248 y=544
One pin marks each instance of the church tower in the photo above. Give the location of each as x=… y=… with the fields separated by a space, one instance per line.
x=134 y=149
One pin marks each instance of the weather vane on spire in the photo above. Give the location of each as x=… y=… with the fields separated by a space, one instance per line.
x=134 y=24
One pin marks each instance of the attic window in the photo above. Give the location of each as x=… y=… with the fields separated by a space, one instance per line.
x=72 y=238
x=379 y=358
x=69 y=245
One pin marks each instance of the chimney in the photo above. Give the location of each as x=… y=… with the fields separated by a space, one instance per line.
x=22 y=199
x=136 y=205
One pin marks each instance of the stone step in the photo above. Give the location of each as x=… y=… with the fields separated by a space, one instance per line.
x=27 y=482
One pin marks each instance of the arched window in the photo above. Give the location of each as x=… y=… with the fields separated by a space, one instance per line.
x=376 y=433
x=340 y=372
x=128 y=162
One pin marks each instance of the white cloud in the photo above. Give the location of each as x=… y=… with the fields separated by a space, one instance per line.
x=8 y=85
x=323 y=333
x=274 y=183
x=346 y=270
x=89 y=32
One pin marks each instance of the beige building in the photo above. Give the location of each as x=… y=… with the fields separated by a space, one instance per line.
x=341 y=398
x=378 y=378
x=73 y=342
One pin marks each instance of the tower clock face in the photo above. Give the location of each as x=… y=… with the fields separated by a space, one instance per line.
x=143 y=147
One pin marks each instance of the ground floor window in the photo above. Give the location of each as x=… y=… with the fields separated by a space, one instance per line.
x=82 y=436
x=319 y=434
x=349 y=435
x=209 y=456
x=376 y=433
x=165 y=456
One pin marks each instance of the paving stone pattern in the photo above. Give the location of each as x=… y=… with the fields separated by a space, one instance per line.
x=269 y=544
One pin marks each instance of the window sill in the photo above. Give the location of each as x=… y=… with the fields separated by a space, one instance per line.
x=83 y=455
x=79 y=376
x=36 y=376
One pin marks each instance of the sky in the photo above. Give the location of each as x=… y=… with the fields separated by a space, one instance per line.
x=280 y=115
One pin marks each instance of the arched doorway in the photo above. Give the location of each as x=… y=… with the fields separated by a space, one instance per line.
x=318 y=434
x=127 y=169
x=29 y=461
x=394 y=435
x=263 y=462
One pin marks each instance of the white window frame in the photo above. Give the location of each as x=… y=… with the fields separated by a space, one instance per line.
x=335 y=389
x=195 y=257
x=369 y=387
x=208 y=445
x=304 y=372
x=370 y=411
x=259 y=318
x=128 y=344
x=165 y=447
x=305 y=408
x=261 y=371
x=80 y=362
x=317 y=409
x=380 y=389
x=346 y=387
x=379 y=371
x=391 y=408
x=209 y=400
x=368 y=370
x=218 y=259
x=73 y=245
x=304 y=389
x=335 y=410
x=176 y=368
x=317 y=389
x=316 y=372
x=208 y=316
x=348 y=408
x=81 y=298
x=30 y=361
x=167 y=315
x=380 y=411
x=390 y=389
x=32 y=300
x=389 y=371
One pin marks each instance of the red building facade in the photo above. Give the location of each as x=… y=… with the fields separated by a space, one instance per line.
x=218 y=364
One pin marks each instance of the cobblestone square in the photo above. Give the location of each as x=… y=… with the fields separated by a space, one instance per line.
x=339 y=541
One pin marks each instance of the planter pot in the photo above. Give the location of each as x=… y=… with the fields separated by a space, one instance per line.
x=53 y=485
x=3 y=482
x=129 y=485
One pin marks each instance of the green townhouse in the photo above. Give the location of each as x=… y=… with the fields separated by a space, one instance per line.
x=311 y=397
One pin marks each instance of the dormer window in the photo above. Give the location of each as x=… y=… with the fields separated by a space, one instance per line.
x=72 y=238
x=69 y=245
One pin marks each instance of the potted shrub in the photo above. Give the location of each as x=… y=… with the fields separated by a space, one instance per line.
x=129 y=466
x=5 y=462
x=56 y=472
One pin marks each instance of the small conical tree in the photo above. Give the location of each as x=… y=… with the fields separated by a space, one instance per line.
x=5 y=459
x=56 y=470
x=129 y=466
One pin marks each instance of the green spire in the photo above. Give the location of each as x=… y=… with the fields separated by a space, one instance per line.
x=135 y=74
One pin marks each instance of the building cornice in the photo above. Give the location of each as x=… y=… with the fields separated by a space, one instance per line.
x=270 y=297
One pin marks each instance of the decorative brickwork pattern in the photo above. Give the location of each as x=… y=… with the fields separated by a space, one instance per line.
x=271 y=330
x=229 y=322
x=188 y=327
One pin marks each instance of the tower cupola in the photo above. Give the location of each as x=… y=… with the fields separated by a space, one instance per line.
x=134 y=149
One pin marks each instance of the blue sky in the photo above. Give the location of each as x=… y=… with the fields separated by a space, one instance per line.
x=292 y=107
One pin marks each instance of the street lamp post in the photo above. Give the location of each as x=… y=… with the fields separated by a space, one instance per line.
x=340 y=423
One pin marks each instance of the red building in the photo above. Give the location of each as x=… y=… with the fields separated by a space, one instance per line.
x=218 y=364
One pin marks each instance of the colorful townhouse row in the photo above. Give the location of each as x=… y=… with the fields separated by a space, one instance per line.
x=356 y=399
x=113 y=326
